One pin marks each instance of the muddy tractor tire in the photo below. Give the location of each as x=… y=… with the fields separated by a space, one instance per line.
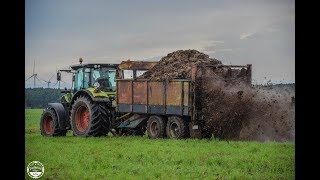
x=156 y=127
x=49 y=125
x=89 y=118
x=177 y=128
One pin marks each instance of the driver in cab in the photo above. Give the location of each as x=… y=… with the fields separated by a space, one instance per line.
x=103 y=80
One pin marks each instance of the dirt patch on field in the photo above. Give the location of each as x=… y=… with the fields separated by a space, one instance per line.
x=233 y=109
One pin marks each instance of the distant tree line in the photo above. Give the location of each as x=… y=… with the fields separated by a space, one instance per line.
x=38 y=98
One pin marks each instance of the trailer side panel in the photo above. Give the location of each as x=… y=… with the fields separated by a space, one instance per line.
x=154 y=97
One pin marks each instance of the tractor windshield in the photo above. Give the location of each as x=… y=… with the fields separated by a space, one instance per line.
x=105 y=77
x=88 y=77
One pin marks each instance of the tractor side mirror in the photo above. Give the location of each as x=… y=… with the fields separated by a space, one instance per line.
x=73 y=78
x=58 y=76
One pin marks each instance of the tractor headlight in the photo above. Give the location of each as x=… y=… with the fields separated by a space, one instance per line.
x=96 y=85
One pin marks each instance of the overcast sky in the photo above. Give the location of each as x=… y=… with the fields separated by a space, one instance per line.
x=257 y=32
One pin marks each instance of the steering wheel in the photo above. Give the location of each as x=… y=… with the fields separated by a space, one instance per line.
x=104 y=83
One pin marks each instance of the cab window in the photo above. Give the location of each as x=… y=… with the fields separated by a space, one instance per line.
x=78 y=79
x=86 y=82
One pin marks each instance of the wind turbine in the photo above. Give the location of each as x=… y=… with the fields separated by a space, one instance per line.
x=49 y=81
x=34 y=75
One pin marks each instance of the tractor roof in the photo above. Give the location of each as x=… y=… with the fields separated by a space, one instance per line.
x=77 y=66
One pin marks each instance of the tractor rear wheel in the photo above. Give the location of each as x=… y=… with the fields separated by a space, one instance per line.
x=49 y=125
x=89 y=118
x=156 y=127
x=176 y=128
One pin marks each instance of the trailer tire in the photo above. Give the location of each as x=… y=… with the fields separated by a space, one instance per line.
x=177 y=128
x=156 y=127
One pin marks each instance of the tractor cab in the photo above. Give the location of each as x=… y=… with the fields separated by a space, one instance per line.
x=98 y=76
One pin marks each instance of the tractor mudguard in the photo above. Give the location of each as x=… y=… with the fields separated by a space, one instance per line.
x=61 y=114
x=100 y=94
x=66 y=98
x=97 y=97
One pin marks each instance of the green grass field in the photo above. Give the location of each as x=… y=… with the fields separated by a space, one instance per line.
x=141 y=158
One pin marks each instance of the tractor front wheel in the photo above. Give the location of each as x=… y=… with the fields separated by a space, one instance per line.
x=89 y=118
x=49 y=124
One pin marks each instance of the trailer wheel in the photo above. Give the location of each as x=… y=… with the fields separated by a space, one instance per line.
x=49 y=124
x=156 y=127
x=176 y=128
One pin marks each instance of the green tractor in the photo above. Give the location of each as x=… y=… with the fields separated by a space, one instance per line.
x=88 y=109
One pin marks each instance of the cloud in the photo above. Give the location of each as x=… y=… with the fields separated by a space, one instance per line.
x=209 y=48
x=272 y=29
x=213 y=51
x=224 y=50
x=212 y=45
x=269 y=27
x=215 y=47
x=217 y=42
x=246 y=35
